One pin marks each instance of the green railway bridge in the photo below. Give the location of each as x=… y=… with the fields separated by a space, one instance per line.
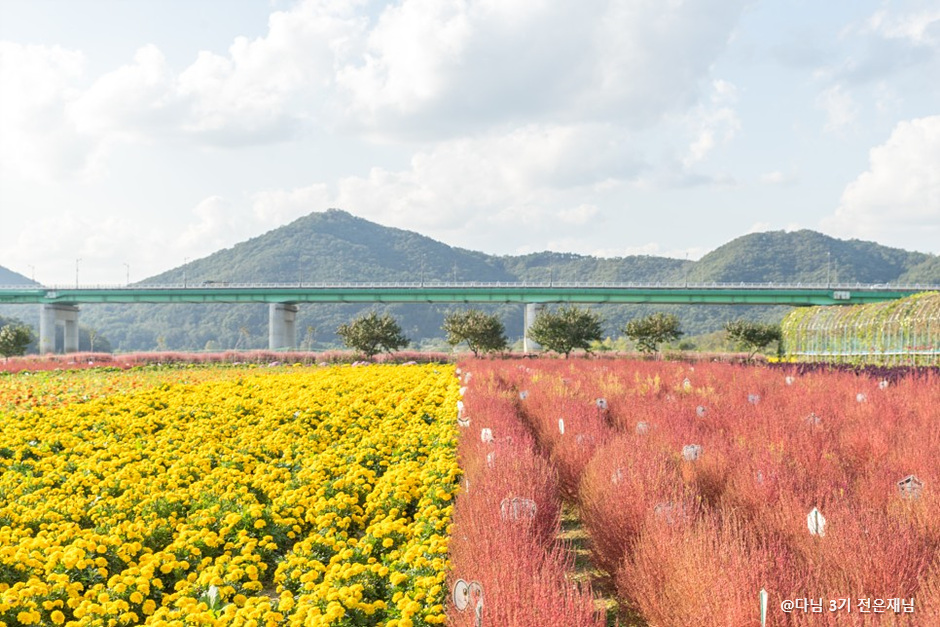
x=59 y=305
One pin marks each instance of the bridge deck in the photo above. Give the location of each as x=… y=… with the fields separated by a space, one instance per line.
x=465 y=292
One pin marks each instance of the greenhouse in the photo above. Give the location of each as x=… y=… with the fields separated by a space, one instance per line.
x=900 y=332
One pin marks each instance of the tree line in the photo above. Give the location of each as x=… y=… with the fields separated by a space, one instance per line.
x=562 y=331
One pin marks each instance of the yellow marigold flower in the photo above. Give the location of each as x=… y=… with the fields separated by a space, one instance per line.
x=57 y=617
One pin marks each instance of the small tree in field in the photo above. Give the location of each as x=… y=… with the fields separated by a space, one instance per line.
x=752 y=336
x=566 y=329
x=653 y=330
x=482 y=332
x=14 y=338
x=371 y=334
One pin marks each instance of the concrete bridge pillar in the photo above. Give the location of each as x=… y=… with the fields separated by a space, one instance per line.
x=282 y=326
x=50 y=316
x=531 y=312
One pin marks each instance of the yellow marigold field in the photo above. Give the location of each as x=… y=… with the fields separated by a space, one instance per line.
x=288 y=496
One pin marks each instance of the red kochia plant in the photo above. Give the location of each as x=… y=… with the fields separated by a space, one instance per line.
x=623 y=484
x=703 y=572
x=511 y=551
x=549 y=410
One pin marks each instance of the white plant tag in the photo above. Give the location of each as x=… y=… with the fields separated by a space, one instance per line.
x=616 y=476
x=461 y=594
x=816 y=523
x=910 y=487
x=517 y=508
x=691 y=452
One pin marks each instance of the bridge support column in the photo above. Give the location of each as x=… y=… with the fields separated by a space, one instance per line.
x=50 y=316
x=282 y=326
x=531 y=312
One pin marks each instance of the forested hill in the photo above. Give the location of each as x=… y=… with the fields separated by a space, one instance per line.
x=335 y=246
x=8 y=277
x=810 y=257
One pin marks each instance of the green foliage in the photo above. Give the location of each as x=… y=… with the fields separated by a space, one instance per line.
x=14 y=339
x=924 y=273
x=481 y=331
x=752 y=336
x=568 y=328
x=653 y=330
x=370 y=334
x=806 y=257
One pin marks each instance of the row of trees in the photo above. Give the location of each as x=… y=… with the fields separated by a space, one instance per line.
x=562 y=331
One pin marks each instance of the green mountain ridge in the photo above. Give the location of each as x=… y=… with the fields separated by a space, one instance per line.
x=335 y=246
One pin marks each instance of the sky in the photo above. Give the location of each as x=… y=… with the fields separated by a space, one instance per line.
x=138 y=135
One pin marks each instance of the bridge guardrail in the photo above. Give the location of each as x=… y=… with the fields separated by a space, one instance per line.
x=471 y=284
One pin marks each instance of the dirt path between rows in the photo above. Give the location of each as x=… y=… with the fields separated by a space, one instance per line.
x=579 y=542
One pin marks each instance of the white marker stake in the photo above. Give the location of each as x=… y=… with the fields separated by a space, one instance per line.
x=763 y=607
x=561 y=426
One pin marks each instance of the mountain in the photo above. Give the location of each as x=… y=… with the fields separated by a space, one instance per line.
x=8 y=277
x=335 y=246
x=924 y=273
x=807 y=257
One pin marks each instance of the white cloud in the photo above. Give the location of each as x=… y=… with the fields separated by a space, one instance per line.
x=37 y=83
x=897 y=200
x=433 y=68
x=416 y=69
x=841 y=110
x=475 y=191
x=275 y=208
x=582 y=214
x=715 y=123
x=778 y=177
x=136 y=101
x=920 y=28
x=513 y=177
x=217 y=224
x=887 y=44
